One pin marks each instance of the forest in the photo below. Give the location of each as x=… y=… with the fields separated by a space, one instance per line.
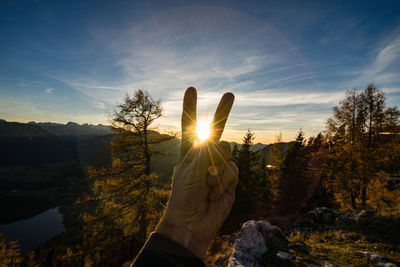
x=117 y=199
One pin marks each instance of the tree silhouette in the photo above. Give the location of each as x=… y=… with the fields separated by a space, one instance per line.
x=129 y=199
x=247 y=188
x=134 y=142
x=292 y=183
x=362 y=135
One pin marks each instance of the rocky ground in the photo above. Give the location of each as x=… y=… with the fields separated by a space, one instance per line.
x=324 y=237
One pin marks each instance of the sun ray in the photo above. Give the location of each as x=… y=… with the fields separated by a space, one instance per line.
x=203 y=130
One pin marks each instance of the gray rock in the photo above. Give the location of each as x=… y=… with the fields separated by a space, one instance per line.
x=388 y=264
x=249 y=236
x=373 y=257
x=247 y=258
x=285 y=256
x=344 y=218
x=255 y=239
x=364 y=215
x=322 y=215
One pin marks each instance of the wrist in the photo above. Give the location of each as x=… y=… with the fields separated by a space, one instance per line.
x=184 y=237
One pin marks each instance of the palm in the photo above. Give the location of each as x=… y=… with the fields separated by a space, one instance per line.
x=202 y=201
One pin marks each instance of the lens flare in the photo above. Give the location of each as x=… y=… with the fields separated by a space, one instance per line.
x=203 y=130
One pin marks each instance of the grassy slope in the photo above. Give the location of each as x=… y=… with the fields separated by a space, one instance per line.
x=339 y=247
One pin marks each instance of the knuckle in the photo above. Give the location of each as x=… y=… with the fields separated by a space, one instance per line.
x=234 y=168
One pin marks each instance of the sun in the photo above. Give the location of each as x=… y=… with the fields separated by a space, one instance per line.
x=203 y=130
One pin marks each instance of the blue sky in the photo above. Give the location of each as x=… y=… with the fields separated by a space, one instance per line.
x=288 y=62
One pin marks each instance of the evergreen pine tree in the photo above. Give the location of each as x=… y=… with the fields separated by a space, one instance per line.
x=292 y=183
x=247 y=190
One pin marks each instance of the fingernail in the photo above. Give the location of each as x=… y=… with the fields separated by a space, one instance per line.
x=213 y=170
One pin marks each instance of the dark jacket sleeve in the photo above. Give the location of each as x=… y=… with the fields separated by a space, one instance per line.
x=160 y=250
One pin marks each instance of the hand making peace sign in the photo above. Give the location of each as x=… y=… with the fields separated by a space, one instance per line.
x=204 y=181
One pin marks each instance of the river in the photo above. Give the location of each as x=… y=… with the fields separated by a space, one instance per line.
x=35 y=230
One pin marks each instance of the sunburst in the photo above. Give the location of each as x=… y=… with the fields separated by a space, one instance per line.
x=203 y=130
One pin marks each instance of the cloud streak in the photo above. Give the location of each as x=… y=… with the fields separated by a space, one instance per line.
x=49 y=91
x=217 y=50
x=214 y=49
x=385 y=67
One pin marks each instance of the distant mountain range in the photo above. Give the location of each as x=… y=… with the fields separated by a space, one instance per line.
x=263 y=150
x=22 y=143
x=43 y=142
x=253 y=148
x=73 y=132
x=38 y=143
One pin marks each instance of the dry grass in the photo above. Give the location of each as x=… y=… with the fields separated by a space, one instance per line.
x=219 y=252
x=339 y=247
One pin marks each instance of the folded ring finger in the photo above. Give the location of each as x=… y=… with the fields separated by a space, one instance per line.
x=213 y=177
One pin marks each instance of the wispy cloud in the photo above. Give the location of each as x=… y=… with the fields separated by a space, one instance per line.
x=276 y=98
x=385 y=66
x=218 y=50
x=99 y=105
x=213 y=49
x=49 y=90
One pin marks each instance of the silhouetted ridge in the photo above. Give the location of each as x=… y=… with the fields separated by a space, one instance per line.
x=22 y=143
x=73 y=132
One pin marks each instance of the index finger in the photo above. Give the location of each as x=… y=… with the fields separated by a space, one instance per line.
x=188 y=120
x=221 y=116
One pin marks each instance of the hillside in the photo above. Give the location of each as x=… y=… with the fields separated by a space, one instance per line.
x=33 y=143
x=253 y=148
x=37 y=143
x=264 y=152
x=164 y=164
x=95 y=152
x=22 y=143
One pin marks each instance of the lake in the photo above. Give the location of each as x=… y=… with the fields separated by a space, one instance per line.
x=35 y=230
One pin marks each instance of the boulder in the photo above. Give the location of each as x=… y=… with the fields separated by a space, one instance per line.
x=322 y=215
x=364 y=216
x=344 y=218
x=255 y=238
